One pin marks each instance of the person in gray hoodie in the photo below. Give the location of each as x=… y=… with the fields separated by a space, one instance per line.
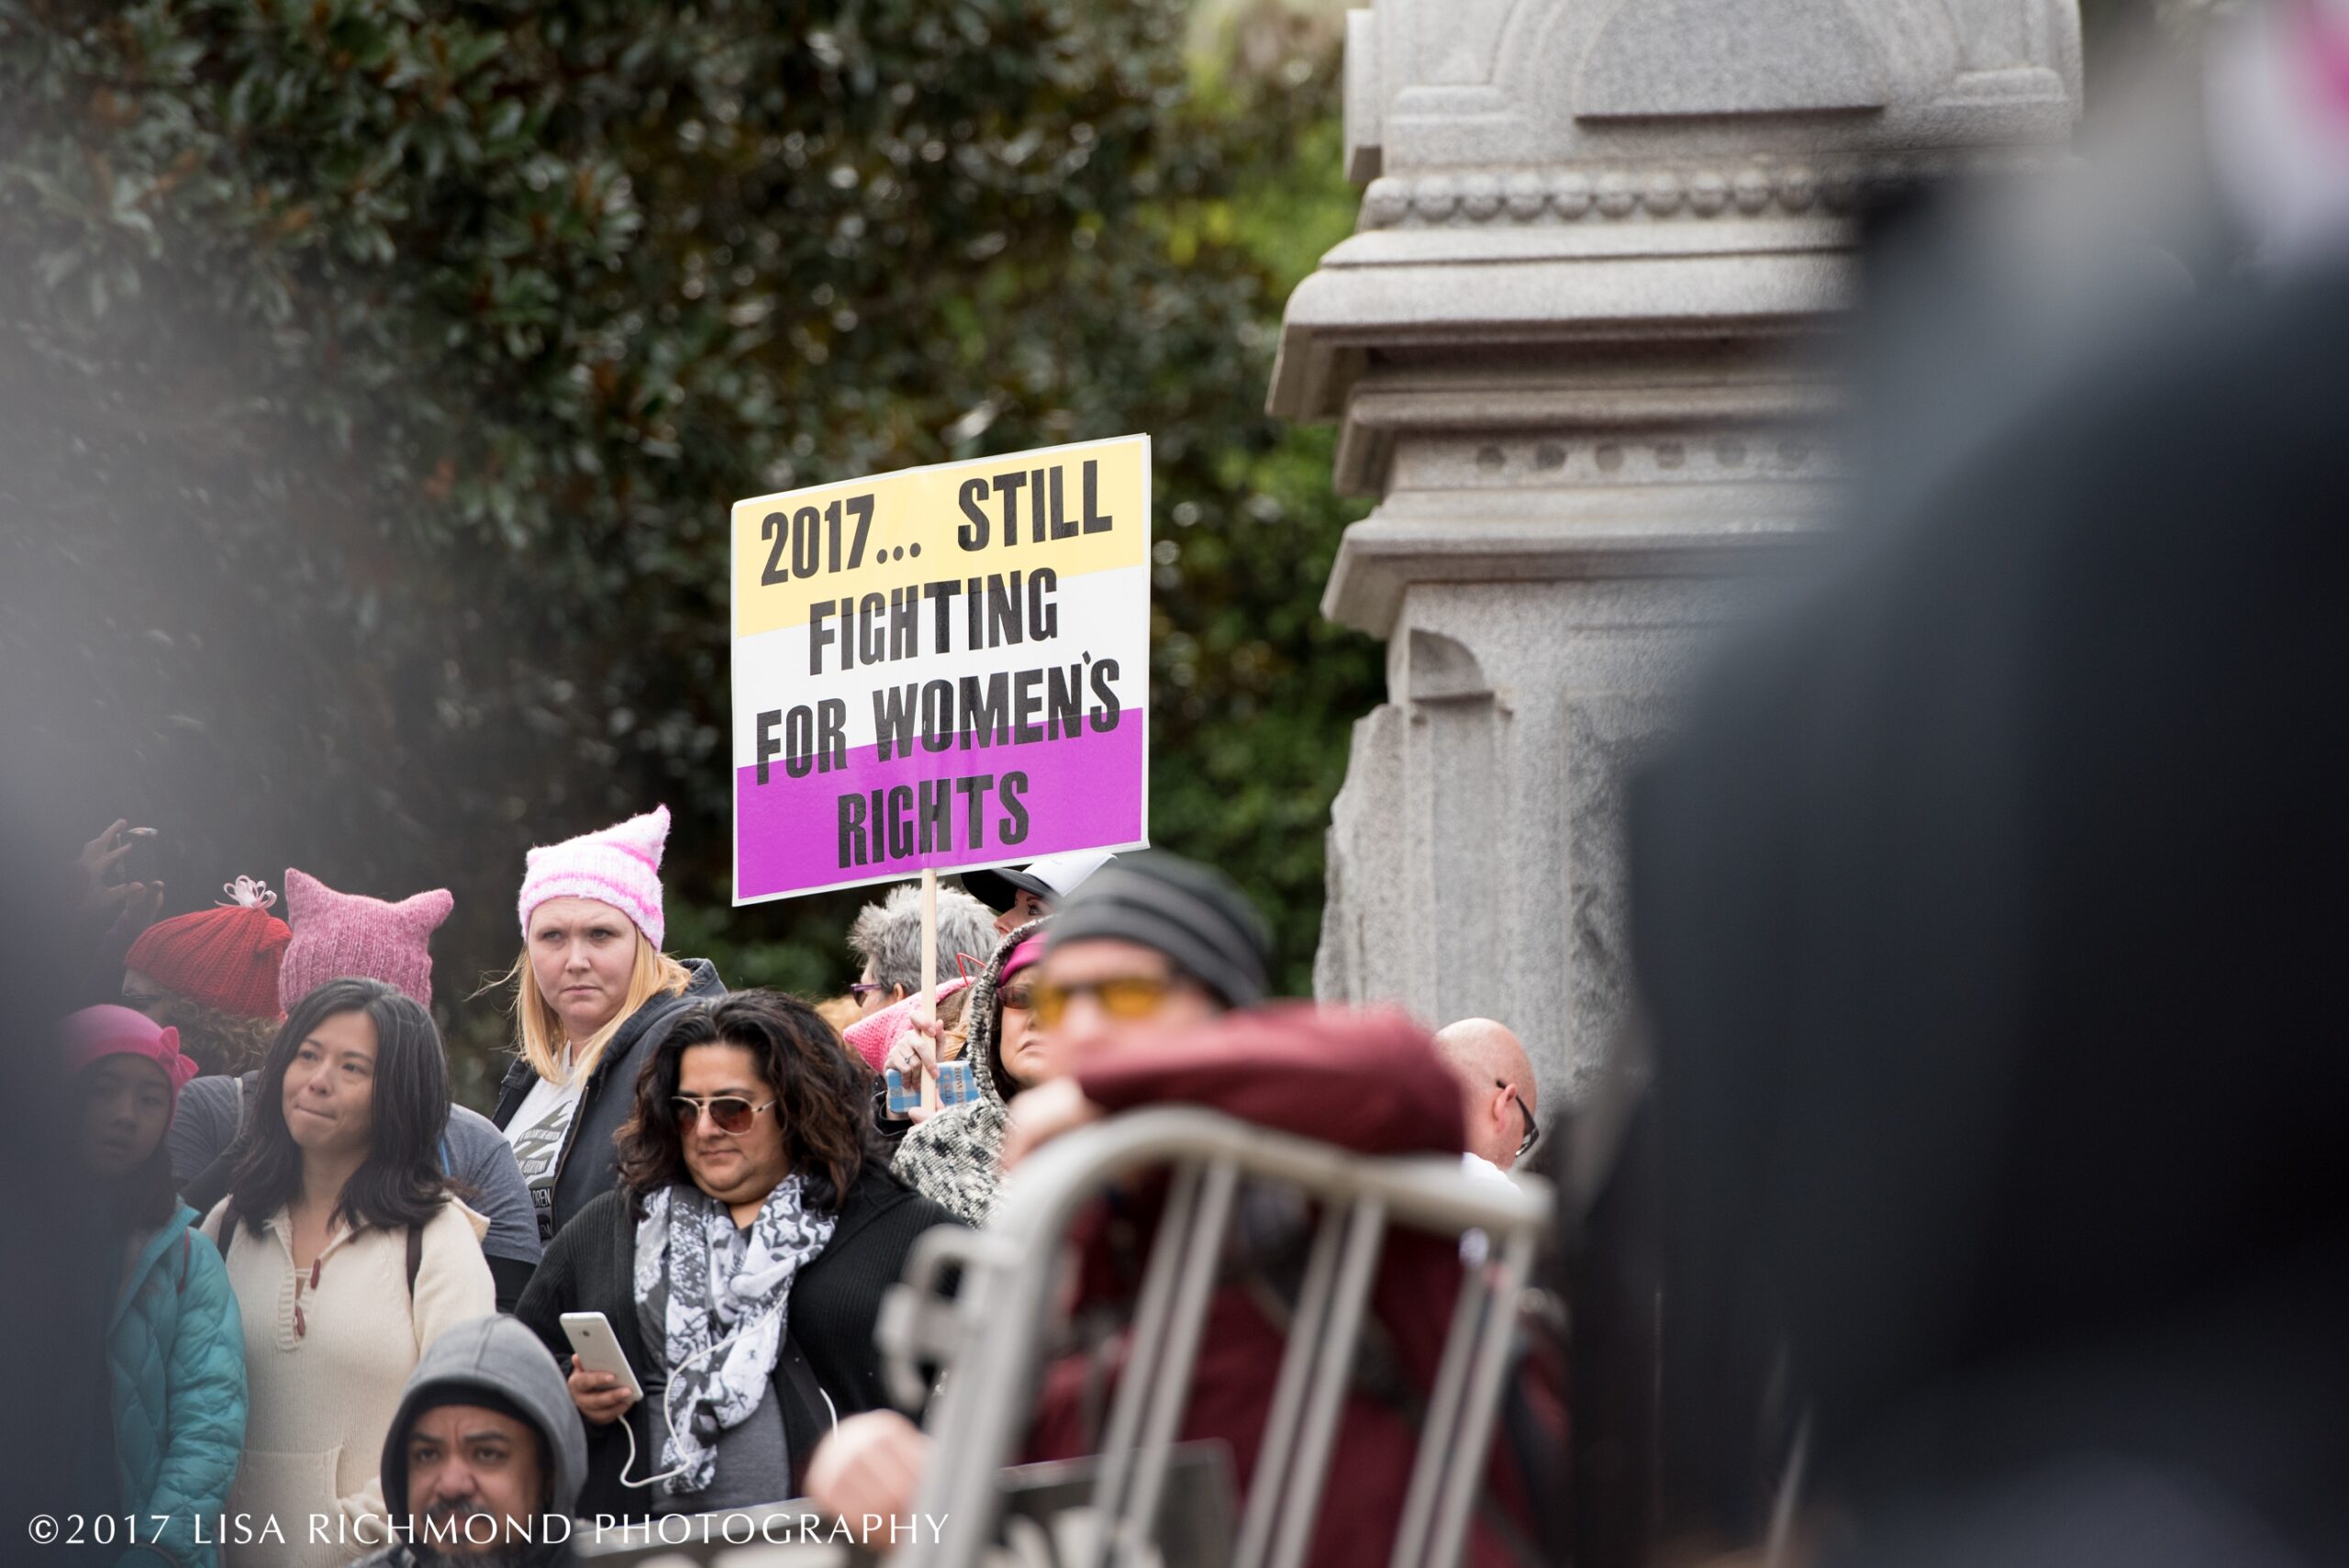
x=484 y=1459
x=955 y=1157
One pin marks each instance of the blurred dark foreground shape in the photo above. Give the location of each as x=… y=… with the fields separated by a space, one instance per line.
x=57 y=1453
x=1988 y=920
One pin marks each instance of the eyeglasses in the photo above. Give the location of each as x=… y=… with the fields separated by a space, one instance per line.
x=1127 y=998
x=727 y=1113
x=1021 y=998
x=1533 y=1128
x=965 y=964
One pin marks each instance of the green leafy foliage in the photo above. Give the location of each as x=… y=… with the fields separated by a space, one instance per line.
x=375 y=376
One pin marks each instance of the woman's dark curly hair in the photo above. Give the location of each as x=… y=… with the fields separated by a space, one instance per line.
x=220 y=1042
x=401 y=1182
x=823 y=1095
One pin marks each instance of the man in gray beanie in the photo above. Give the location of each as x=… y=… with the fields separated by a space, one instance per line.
x=1154 y=993
x=1148 y=943
x=484 y=1457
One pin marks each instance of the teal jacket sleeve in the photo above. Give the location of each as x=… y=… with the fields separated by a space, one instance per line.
x=207 y=1419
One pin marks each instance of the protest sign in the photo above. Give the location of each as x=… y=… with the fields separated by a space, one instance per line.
x=942 y=669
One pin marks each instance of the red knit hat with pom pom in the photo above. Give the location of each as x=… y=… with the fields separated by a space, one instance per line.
x=225 y=957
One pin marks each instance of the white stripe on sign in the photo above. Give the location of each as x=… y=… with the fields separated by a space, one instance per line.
x=1089 y=618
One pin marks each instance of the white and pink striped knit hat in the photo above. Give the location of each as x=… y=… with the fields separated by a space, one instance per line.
x=620 y=866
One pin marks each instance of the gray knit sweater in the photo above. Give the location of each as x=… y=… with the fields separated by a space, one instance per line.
x=954 y=1159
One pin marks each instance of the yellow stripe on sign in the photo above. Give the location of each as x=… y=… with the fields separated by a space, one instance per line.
x=951 y=521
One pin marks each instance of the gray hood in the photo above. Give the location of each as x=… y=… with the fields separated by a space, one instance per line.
x=954 y=1158
x=982 y=1018
x=501 y=1356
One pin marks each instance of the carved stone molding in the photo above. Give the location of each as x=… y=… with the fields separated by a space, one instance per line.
x=1572 y=351
x=1436 y=83
x=1697 y=190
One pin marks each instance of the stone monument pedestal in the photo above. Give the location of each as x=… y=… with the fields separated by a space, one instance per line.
x=1571 y=350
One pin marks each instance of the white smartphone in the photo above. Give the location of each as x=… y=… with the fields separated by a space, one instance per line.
x=599 y=1349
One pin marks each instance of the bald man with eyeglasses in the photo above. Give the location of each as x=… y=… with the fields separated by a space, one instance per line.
x=1496 y=1083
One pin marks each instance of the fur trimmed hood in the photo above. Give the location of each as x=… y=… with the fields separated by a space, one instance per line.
x=955 y=1157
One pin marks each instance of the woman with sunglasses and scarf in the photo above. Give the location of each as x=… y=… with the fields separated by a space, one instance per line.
x=740 y=1263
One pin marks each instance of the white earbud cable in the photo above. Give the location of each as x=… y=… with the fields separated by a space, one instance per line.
x=669 y=1412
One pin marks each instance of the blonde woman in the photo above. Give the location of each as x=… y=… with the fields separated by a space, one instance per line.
x=590 y=991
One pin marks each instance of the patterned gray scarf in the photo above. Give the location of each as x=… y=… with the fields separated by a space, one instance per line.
x=954 y=1159
x=719 y=1286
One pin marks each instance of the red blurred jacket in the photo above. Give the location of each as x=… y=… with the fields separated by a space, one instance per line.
x=1365 y=1080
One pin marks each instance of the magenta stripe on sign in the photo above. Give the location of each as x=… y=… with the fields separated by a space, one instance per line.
x=796 y=835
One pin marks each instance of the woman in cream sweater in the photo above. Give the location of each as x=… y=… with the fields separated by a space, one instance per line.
x=348 y=1256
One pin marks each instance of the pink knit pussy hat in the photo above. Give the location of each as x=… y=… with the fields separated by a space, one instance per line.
x=620 y=866
x=96 y=1033
x=340 y=934
x=872 y=1038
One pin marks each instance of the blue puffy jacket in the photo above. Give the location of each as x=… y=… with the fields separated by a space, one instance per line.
x=177 y=1349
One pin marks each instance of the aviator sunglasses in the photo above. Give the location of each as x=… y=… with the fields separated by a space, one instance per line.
x=860 y=989
x=727 y=1113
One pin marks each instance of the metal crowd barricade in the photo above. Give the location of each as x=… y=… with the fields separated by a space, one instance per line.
x=992 y=1334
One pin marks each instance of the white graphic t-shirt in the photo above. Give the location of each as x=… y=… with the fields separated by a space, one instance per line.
x=538 y=1131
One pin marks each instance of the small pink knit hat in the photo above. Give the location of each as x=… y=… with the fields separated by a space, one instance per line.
x=95 y=1033
x=1022 y=956
x=620 y=866
x=338 y=934
x=872 y=1038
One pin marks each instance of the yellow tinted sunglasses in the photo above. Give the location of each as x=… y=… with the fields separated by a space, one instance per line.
x=1126 y=998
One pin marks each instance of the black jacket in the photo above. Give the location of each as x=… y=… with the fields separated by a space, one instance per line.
x=585 y=1170
x=591 y=1267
